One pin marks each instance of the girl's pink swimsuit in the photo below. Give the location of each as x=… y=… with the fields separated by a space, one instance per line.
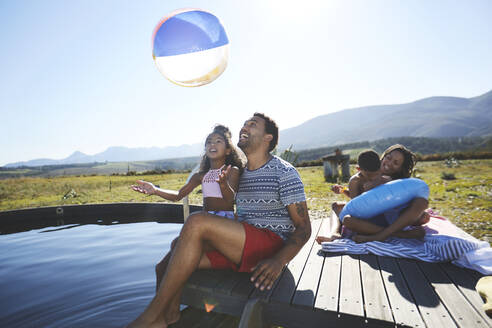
x=211 y=188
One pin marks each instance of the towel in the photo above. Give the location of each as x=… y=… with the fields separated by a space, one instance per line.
x=444 y=242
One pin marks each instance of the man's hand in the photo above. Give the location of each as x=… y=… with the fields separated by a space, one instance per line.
x=266 y=272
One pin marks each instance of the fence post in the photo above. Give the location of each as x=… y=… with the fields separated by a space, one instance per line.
x=186 y=200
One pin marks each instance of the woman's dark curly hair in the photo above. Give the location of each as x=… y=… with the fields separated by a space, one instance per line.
x=409 y=161
x=233 y=159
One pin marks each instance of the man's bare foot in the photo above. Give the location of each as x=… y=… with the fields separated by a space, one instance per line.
x=140 y=323
x=321 y=239
x=337 y=207
x=172 y=317
x=423 y=219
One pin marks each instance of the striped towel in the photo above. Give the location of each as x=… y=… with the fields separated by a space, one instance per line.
x=444 y=242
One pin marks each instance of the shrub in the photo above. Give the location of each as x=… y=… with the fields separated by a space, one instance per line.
x=447 y=176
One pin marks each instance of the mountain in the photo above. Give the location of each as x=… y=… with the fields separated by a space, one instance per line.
x=434 y=117
x=430 y=117
x=119 y=154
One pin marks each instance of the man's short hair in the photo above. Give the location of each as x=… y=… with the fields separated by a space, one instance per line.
x=270 y=128
x=368 y=160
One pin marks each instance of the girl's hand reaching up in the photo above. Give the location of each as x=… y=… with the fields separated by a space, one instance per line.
x=144 y=187
x=224 y=176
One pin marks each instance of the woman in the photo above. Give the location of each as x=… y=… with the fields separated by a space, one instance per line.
x=397 y=162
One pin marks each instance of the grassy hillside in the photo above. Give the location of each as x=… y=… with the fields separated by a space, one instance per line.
x=423 y=146
x=434 y=117
x=466 y=200
x=107 y=168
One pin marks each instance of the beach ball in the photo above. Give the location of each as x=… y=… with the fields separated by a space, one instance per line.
x=190 y=47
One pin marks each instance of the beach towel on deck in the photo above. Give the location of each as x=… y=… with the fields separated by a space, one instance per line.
x=444 y=242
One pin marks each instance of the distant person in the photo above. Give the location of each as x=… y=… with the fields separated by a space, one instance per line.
x=273 y=224
x=397 y=162
x=219 y=173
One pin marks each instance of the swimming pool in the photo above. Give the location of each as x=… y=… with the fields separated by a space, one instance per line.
x=80 y=275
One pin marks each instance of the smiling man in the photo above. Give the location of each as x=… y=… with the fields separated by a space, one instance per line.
x=272 y=226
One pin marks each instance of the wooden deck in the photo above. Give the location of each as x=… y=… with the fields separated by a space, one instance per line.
x=331 y=290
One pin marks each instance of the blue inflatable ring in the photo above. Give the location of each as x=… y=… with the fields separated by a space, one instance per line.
x=385 y=197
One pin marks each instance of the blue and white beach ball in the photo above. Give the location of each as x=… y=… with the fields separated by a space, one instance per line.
x=190 y=47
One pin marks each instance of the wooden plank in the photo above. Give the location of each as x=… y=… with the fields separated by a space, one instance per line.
x=265 y=295
x=329 y=285
x=308 y=283
x=375 y=300
x=190 y=318
x=466 y=280
x=195 y=318
x=228 y=281
x=432 y=310
x=402 y=304
x=298 y=317
x=205 y=279
x=458 y=306
x=350 y=287
x=288 y=281
x=244 y=287
x=252 y=316
x=205 y=287
x=221 y=303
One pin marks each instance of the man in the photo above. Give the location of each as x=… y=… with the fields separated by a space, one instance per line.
x=273 y=224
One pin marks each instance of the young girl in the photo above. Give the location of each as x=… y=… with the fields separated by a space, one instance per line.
x=219 y=173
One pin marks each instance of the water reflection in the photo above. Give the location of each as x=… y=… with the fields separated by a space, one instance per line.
x=80 y=276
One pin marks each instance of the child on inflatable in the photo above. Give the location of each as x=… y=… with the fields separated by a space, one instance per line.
x=397 y=162
x=367 y=177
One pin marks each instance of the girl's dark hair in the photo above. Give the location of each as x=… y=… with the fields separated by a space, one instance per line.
x=233 y=159
x=409 y=161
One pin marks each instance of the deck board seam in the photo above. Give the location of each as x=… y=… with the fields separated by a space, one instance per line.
x=437 y=295
x=312 y=239
x=385 y=289
x=479 y=312
x=414 y=299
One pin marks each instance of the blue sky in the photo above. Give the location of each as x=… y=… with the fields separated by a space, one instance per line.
x=79 y=74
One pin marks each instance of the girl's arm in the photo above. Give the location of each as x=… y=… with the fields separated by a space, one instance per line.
x=229 y=183
x=172 y=195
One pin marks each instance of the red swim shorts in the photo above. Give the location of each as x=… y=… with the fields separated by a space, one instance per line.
x=259 y=244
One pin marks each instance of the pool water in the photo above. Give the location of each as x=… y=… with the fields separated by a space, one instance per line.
x=80 y=276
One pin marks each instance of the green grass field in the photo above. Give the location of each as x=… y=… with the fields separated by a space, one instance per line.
x=466 y=200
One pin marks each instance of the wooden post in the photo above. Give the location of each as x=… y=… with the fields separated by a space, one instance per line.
x=334 y=168
x=186 y=208
x=327 y=170
x=346 y=169
x=186 y=200
x=331 y=163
